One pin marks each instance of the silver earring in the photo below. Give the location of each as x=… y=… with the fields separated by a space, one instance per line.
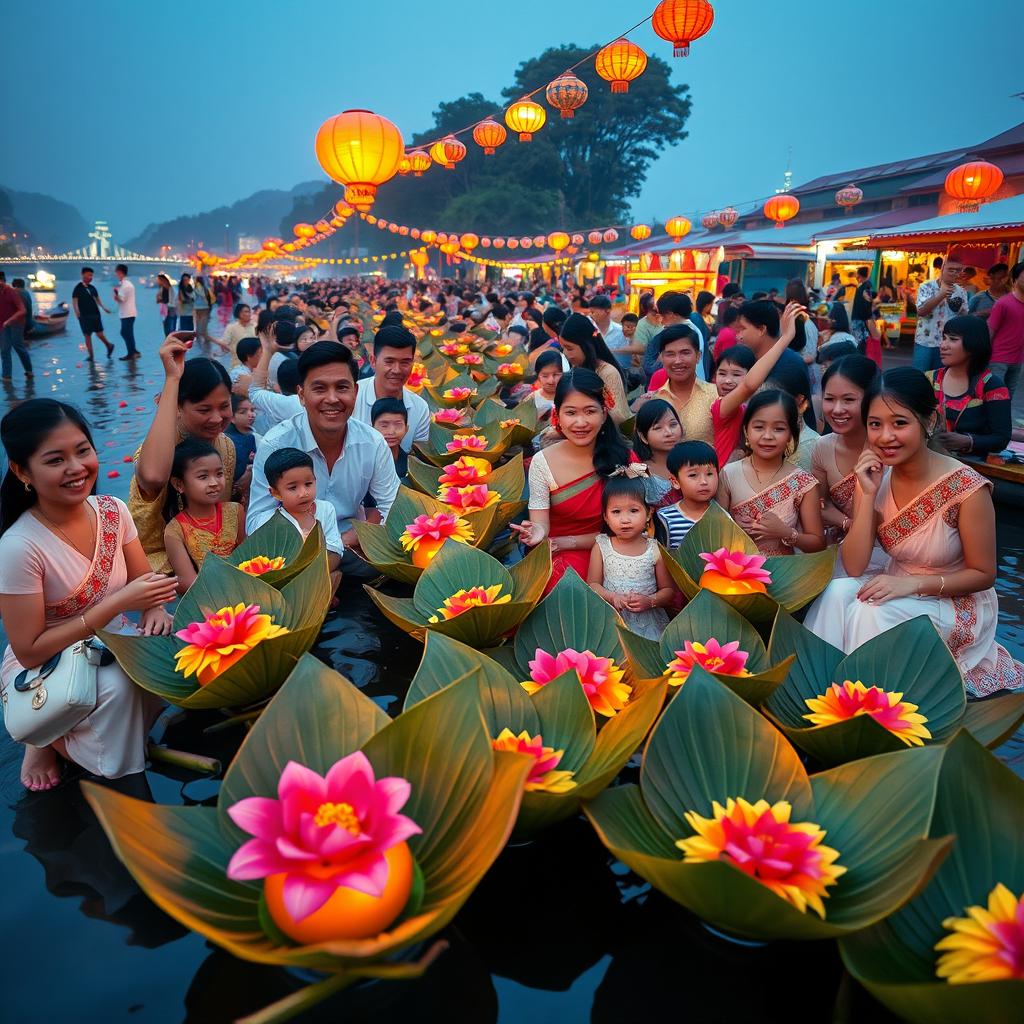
x=28 y=488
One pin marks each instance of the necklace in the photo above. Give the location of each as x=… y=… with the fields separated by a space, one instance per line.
x=67 y=540
x=762 y=483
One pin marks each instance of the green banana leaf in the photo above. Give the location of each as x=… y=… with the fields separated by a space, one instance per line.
x=464 y=796
x=559 y=712
x=381 y=543
x=710 y=745
x=981 y=802
x=300 y=605
x=493 y=411
x=434 y=394
x=459 y=567
x=911 y=658
x=708 y=616
x=278 y=537
x=435 y=450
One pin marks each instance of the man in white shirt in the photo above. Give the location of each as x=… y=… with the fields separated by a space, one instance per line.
x=124 y=296
x=350 y=459
x=601 y=314
x=394 y=352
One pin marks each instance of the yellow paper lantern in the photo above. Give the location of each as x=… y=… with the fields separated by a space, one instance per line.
x=447 y=152
x=677 y=228
x=469 y=241
x=428 y=236
x=640 y=232
x=361 y=150
x=558 y=240
x=525 y=117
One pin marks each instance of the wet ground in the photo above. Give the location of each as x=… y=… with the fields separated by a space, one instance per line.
x=558 y=931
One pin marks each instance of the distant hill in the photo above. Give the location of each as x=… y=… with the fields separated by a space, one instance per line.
x=260 y=215
x=49 y=222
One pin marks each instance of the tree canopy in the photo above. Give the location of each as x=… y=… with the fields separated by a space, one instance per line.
x=576 y=173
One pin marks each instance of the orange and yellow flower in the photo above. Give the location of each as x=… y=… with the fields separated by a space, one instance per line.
x=987 y=944
x=887 y=708
x=473 y=597
x=762 y=842
x=467 y=443
x=260 y=564
x=462 y=394
x=545 y=759
x=711 y=655
x=465 y=471
x=473 y=498
x=453 y=348
x=501 y=350
x=455 y=416
x=418 y=377
x=509 y=371
x=221 y=639
x=425 y=535
x=600 y=678
x=734 y=572
x=513 y=422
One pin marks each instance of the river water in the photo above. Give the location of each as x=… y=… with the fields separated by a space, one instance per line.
x=558 y=931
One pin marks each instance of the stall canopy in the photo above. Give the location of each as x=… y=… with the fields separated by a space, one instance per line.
x=866 y=226
x=994 y=222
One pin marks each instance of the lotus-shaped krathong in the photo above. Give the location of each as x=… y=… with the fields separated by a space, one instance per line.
x=463 y=797
x=734 y=570
x=418 y=378
x=278 y=543
x=443 y=447
x=508 y=480
x=522 y=420
x=465 y=594
x=708 y=633
x=450 y=418
x=727 y=822
x=222 y=663
x=416 y=527
x=558 y=715
x=912 y=692
x=926 y=962
x=459 y=391
x=260 y=565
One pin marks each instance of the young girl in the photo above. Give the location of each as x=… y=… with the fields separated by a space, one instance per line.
x=197 y=520
x=792 y=380
x=626 y=568
x=738 y=376
x=658 y=431
x=693 y=467
x=773 y=501
x=549 y=372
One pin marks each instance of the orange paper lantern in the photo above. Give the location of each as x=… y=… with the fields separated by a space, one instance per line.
x=304 y=230
x=620 y=62
x=539 y=241
x=577 y=239
x=447 y=152
x=419 y=257
x=499 y=243
x=489 y=135
x=681 y=22
x=781 y=208
x=677 y=228
x=469 y=241
x=419 y=162
x=525 y=117
x=641 y=232
x=322 y=227
x=513 y=243
x=567 y=93
x=342 y=209
x=972 y=183
x=611 y=235
x=361 y=150
x=558 y=240
x=727 y=217
x=485 y=242
x=526 y=243
x=428 y=236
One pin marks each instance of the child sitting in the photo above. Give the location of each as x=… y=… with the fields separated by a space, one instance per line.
x=657 y=432
x=626 y=568
x=292 y=484
x=243 y=415
x=390 y=418
x=197 y=520
x=693 y=469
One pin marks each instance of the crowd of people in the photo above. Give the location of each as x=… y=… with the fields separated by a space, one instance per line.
x=754 y=402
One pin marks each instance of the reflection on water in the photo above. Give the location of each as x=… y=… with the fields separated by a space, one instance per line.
x=557 y=931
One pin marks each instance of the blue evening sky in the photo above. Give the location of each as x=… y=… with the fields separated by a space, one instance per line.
x=138 y=111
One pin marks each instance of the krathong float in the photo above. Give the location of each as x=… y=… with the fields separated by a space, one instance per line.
x=442 y=446
x=451 y=805
x=278 y=543
x=458 y=392
x=508 y=481
x=727 y=822
x=521 y=420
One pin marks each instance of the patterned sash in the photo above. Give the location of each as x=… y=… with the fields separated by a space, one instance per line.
x=842 y=493
x=792 y=487
x=942 y=498
x=94 y=586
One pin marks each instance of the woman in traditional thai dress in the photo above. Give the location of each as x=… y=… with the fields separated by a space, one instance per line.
x=195 y=402
x=584 y=346
x=918 y=511
x=773 y=500
x=71 y=564
x=566 y=478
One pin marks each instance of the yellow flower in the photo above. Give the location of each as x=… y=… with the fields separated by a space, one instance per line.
x=260 y=564
x=221 y=639
x=986 y=945
x=474 y=597
x=888 y=709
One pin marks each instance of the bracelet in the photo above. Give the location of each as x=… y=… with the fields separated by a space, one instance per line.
x=89 y=631
x=846 y=524
x=942 y=586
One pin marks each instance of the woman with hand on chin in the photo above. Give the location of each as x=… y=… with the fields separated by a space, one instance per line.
x=917 y=503
x=71 y=564
x=566 y=478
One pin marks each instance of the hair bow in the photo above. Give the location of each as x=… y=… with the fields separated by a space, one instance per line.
x=632 y=471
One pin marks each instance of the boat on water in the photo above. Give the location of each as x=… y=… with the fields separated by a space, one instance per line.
x=42 y=281
x=49 y=323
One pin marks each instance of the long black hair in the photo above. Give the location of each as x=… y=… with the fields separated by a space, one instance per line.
x=649 y=414
x=773 y=396
x=582 y=331
x=610 y=448
x=185 y=454
x=908 y=387
x=185 y=291
x=857 y=369
x=22 y=432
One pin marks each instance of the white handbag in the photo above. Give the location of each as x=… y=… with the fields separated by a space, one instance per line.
x=47 y=702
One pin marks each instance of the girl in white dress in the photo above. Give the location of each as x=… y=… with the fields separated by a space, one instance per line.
x=626 y=568
x=933 y=516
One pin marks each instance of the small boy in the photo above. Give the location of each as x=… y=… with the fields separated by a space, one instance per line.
x=390 y=418
x=693 y=470
x=628 y=324
x=292 y=483
x=241 y=433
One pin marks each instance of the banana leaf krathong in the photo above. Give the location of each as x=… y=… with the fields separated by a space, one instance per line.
x=299 y=606
x=911 y=661
x=469 y=596
x=795 y=579
x=522 y=419
x=981 y=802
x=509 y=480
x=558 y=714
x=442 y=445
x=464 y=796
x=382 y=545
x=278 y=538
x=461 y=382
x=710 y=748
x=709 y=618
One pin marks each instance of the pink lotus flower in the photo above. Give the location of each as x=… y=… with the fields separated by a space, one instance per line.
x=417 y=377
x=467 y=443
x=323 y=832
x=712 y=656
x=600 y=678
x=545 y=759
x=470 y=359
x=463 y=394
x=455 y=416
x=453 y=348
x=734 y=572
x=474 y=498
x=464 y=472
x=222 y=638
x=888 y=709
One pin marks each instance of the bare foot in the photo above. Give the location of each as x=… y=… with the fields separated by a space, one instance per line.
x=39 y=769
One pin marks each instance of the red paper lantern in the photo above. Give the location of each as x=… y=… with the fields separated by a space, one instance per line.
x=485 y=242
x=577 y=239
x=611 y=235
x=727 y=217
x=972 y=183
x=526 y=243
x=513 y=243
x=489 y=135
x=682 y=21
x=539 y=241
x=709 y=220
x=594 y=237
x=447 y=152
x=781 y=208
x=567 y=93
x=499 y=243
